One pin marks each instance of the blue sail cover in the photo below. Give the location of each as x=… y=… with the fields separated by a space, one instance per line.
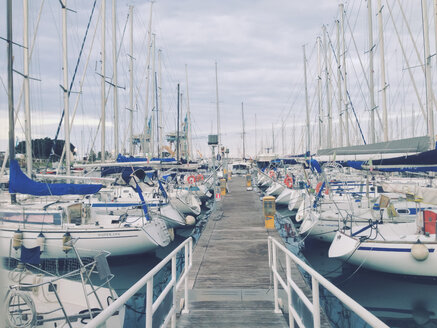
x=422 y=162
x=19 y=183
x=124 y=159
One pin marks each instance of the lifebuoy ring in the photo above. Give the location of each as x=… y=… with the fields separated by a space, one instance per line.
x=288 y=181
x=199 y=177
x=272 y=174
x=191 y=179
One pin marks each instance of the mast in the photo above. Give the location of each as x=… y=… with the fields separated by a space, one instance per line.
x=160 y=112
x=371 y=83
x=65 y=87
x=27 y=129
x=152 y=114
x=306 y=101
x=115 y=78
x=244 y=133
x=131 y=79
x=102 y=83
x=328 y=95
x=188 y=117
x=294 y=135
x=427 y=58
x=10 y=88
x=157 y=114
x=383 y=81
x=345 y=98
x=218 y=109
x=319 y=91
x=339 y=99
x=149 y=48
x=256 y=138
x=435 y=26
x=177 y=129
x=273 y=140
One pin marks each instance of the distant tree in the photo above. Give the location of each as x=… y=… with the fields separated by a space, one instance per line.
x=41 y=148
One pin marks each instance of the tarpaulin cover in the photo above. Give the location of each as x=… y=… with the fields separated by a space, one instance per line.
x=21 y=184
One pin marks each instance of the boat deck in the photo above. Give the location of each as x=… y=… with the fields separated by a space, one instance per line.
x=230 y=283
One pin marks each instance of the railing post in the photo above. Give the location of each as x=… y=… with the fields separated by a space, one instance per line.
x=173 y=278
x=316 y=302
x=149 y=303
x=289 y=299
x=187 y=250
x=275 y=279
x=269 y=249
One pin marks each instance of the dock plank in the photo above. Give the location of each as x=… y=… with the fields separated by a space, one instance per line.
x=230 y=281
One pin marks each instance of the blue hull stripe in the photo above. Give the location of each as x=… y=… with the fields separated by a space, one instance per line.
x=120 y=204
x=386 y=249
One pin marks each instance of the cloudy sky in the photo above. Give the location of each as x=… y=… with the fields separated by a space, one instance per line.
x=257 y=46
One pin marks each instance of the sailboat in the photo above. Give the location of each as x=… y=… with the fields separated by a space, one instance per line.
x=53 y=221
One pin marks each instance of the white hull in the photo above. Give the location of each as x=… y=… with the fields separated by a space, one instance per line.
x=89 y=239
x=390 y=255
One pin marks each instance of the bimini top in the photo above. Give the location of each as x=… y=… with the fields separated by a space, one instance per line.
x=19 y=183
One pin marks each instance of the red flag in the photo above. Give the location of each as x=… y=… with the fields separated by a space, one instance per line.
x=429 y=221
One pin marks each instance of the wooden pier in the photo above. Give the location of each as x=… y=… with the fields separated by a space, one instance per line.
x=230 y=282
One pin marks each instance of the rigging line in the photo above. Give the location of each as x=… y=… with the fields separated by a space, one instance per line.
x=72 y=81
x=347 y=91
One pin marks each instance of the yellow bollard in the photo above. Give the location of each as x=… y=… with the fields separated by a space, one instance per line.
x=223 y=187
x=248 y=182
x=269 y=209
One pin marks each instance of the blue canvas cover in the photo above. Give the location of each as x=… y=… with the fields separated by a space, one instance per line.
x=421 y=162
x=19 y=183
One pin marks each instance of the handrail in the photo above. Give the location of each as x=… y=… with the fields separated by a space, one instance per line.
x=148 y=279
x=316 y=280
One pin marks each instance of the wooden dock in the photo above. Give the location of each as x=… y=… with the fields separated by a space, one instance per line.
x=230 y=282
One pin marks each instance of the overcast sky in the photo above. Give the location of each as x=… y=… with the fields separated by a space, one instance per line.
x=258 y=49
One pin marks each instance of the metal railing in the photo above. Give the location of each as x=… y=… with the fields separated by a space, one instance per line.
x=152 y=306
x=316 y=279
